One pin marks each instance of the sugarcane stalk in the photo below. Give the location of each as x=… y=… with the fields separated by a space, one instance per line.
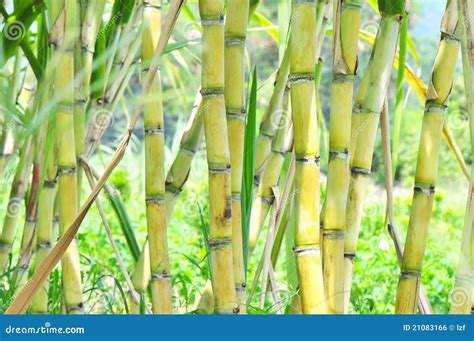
x=462 y=296
x=155 y=168
x=28 y=241
x=264 y=198
x=89 y=19
x=324 y=12
x=61 y=38
x=175 y=180
x=14 y=207
x=190 y=141
x=13 y=213
x=364 y=126
x=275 y=116
x=427 y=164
x=114 y=81
x=234 y=93
x=129 y=25
x=346 y=28
x=271 y=119
x=306 y=147
x=45 y=231
x=423 y=303
x=27 y=247
x=7 y=138
x=217 y=142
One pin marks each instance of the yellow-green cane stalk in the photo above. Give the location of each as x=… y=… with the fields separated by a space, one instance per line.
x=61 y=38
x=27 y=247
x=427 y=163
x=324 y=12
x=7 y=127
x=463 y=293
x=190 y=141
x=155 y=168
x=217 y=143
x=271 y=119
x=270 y=124
x=121 y=44
x=15 y=204
x=264 y=194
x=346 y=28
x=235 y=103
x=45 y=232
x=28 y=241
x=32 y=145
x=115 y=81
x=306 y=147
x=88 y=19
x=175 y=180
x=46 y=204
x=365 y=120
x=268 y=128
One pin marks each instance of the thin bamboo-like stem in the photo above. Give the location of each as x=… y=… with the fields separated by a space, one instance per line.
x=324 y=12
x=423 y=303
x=365 y=120
x=29 y=237
x=462 y=295
x=61 y=38
x=271 y=119
x=270 y=239
x=282 y=212
x=28 y=241
x=102 y=108
x=23 y=169
x=175 y=181
x=45 y=157
x=88 y=23
x=7 y=137
x=190 y=141
x=235 y=103
x=217 y=143
x=346 y=30
x=306 y=146
x=45 y=232
x=14 y=207
x=427 y=164
x=155 y=168
x=263 y=199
